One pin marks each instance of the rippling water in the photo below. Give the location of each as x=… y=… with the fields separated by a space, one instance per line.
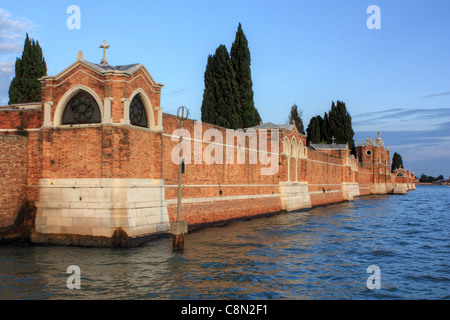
x=322 y=253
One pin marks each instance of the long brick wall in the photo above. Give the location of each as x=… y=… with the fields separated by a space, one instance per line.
x=212 y=193
x=72 y=171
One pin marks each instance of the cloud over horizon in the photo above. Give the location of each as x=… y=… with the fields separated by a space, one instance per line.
x=401 y=119
x=446 y=93
x=12 y=35
x=421 y=136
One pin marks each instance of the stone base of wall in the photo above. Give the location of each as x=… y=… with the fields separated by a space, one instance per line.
x=99 y=212
x=294 y=196
x=350 y=190
x=378 y=188
x=400 y=188
x=389 y=188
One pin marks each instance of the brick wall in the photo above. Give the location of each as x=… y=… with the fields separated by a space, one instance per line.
x=13 y=176
x=215 y=191
x=24 y=119
x=324 y=176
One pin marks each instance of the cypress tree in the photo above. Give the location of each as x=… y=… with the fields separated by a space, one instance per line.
x=25 y=86
x=294 y=115
x=228 y=95
x=340 y=125
x=313 y=130
x=325 y=129
x=208 y=109
x=241 y=61
x=397 y=162
x=332 y=122
x=220 y=98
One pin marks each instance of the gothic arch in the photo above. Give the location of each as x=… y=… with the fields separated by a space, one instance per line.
x=286 y=152
x=66 y=98
x=286 y=146
x=301 y=150
x=294 y=155
x=140 y=93
x=293 y=152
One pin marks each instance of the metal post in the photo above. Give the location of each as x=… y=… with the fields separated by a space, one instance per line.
x=179 y=228
x=179 y=174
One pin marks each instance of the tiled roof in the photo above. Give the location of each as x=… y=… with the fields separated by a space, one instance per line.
x=318 y=146
x=128 y=69
x=270 y=125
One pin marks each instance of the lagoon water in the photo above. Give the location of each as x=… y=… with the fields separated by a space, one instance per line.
x=318 y=254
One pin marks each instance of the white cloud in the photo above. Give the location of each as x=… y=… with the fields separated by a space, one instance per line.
x=12 y=32
x=12 y=37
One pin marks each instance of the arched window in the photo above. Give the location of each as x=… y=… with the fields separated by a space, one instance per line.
x=138 y=115
x=81 y=109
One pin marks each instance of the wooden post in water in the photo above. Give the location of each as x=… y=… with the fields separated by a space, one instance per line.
x=179 y=228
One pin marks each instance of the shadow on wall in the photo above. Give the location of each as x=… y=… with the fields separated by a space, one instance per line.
x=21 y=229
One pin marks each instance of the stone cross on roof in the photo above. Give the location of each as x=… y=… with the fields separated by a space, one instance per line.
x=104 y=46
x=332 y=140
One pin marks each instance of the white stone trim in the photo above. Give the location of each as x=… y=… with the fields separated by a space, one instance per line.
x=48 y=114
x=159 y=126
x=126 y=111
x=220 y=185
x=223 y=198
x=107 y=119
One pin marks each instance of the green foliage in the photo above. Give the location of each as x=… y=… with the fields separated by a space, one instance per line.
x=296 y=117
x=25 y=86
x=220 y=104
x=313 y=130
x=340 y=125
x=336 y=123
x=325 y=128
x=397 y=162
x=228 y=95
x=240 y=59
x=425 y=178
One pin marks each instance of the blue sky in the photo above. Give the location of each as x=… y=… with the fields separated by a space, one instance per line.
x=395 y=79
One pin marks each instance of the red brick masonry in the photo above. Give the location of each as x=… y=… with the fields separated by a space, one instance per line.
x=34 y=145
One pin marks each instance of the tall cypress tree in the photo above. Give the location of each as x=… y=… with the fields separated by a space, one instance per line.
x=325 y=129
x=209 y=112
x=397 y=162
x=220 y=98
x=340 y=123
x=313 y=130
x=241 y=61
x=25 y=86
x=294 y=115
